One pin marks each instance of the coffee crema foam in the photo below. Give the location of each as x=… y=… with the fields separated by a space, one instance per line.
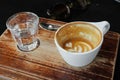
x=78 y=45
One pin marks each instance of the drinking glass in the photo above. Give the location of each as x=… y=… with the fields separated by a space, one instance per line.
x=24 y=29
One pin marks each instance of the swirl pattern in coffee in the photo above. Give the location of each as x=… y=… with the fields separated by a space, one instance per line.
x=77 y=45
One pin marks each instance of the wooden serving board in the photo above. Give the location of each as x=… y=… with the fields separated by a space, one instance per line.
x=45 y=63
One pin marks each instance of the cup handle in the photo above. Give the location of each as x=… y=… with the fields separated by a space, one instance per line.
x=104 y=26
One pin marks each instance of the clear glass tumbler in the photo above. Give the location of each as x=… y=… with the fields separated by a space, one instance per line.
x=24 y=29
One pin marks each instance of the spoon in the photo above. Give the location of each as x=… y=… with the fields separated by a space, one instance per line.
x=51 y=27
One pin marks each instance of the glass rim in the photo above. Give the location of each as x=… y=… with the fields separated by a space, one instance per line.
x=14 y=15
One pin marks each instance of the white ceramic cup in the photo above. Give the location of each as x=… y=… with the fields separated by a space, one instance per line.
x=79 y=59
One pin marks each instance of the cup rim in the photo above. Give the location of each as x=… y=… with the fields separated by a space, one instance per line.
x=77 y=53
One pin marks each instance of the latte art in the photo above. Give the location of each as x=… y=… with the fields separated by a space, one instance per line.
x=77 y=45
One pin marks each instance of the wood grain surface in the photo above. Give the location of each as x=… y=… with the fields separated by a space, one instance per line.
x=45 y=63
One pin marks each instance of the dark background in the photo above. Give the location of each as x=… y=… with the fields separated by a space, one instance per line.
x=99 y=10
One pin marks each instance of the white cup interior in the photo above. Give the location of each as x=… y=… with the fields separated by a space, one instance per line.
x=82 y=30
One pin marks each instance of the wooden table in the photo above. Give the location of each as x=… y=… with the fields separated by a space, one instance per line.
x=46 y=63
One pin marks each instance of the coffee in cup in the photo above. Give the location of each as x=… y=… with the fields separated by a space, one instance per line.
x=79 y=37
